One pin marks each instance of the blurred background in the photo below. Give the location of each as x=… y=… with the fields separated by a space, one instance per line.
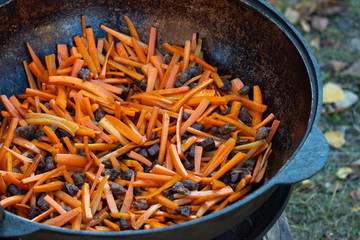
x=327 y=206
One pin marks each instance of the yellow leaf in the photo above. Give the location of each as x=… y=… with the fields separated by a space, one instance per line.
x=342 y=173
x=335 y=138
x=332 y=93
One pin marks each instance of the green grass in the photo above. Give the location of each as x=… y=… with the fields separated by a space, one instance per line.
x=322 y=208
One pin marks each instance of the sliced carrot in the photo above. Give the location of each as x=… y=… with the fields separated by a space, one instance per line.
x=131 y=27
x=128 y=197
x=82 y=49
x=92 y=48
x=64 y=218
x=177 y=162
x=152 y=42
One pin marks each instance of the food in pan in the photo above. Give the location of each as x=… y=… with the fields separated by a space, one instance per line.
x=115 y=136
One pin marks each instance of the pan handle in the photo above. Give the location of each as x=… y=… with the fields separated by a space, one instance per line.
x=14 y=226
x=309 y=160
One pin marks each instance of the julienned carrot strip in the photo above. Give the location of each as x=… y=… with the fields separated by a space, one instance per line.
x=166 y=185
x=176 y=161
x=54 y=204
x=170 y=83
x=128 y=197
x=230 y=164
x=197 y=158
x=207 y=205
x=189 y=94
x=226 y=191
x=64 y=218
x=102 y=74
x=140 y=158
x=131 y=27
x=122 y=37
x=195 y=115
x=186 y=56
x=10 y=108
x=264 y=122
x=140 y=53
x=11 y=200
x=236 y=196
x=174 y=60
x=178 y=133
x=151 y=79
x=151 y=176
x=85 y=202
x=22 y=158
x=162 y=170
x=82 y=49
x=92 y=48
x=62 y=53
x=43 y=215
x=127 y=71
x=51 y=134
x=29 y=76
x=152 y=42
x=50 y=187
x=125 y=130
x=140 y=221
x=272 y=132
x=78 y=64
x=192 y=57
x=164 y=135
x=97 y=195
x=35 y=58
x=107 y=125
x=7 y=141
x=242 y=126
x=71 y=160
x=152 y=122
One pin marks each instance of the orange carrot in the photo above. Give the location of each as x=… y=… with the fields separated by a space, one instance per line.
x=71 y=160
x=188 y=95
x=152 y=42
x=140 y=53
x=92 y=48
x=166 y=185
x=35 y=58
x=267 y=120
x=272 y=132
x=197 y=158
x=85 y=200
x=151 y=78
x=131 y=27
x=186 y=56
x=82 y=49
x=64 y=218
x=62 y=53
x=128 y=197
x=140 y=221
x=177 y=162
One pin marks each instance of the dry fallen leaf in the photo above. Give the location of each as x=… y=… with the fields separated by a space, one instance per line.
x=355 y=208
x=353 y=70
x=355 y=165
x=355 y=194
x=315 y=42
x=343 y=172
x=338 y=65
x=335 y=138
x=292 y=15
x=319 y=23
x=350 y=99
x=332 y=93
x=305 y=25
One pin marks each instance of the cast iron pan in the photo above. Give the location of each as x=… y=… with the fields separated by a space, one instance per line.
x=247 y=39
